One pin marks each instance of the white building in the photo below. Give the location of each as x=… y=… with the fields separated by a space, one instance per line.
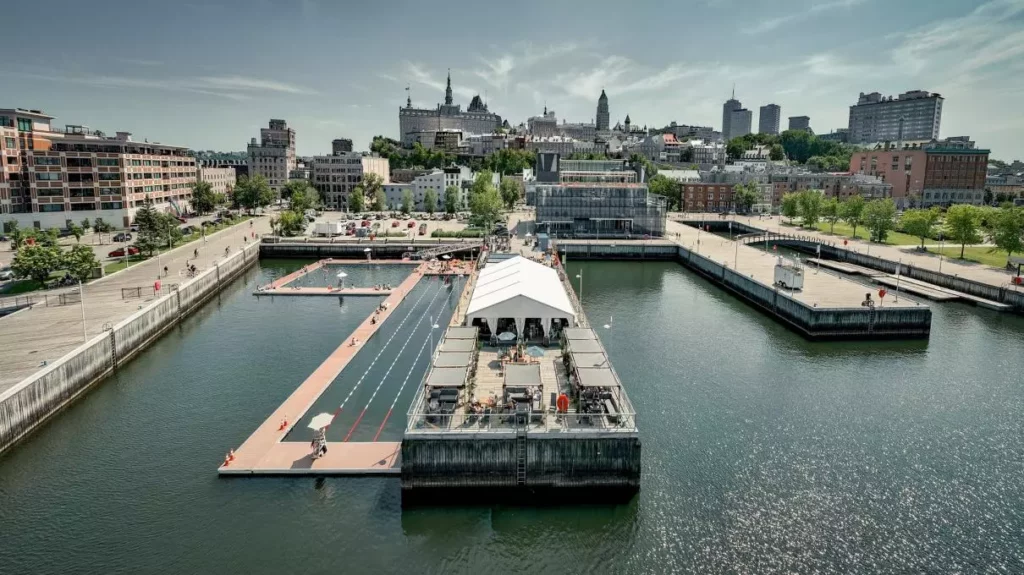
x=484 y=144
x=336 y=176
x=221 y=179
x=274 y=156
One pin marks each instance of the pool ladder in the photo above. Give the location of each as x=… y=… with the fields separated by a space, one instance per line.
x=521 y=455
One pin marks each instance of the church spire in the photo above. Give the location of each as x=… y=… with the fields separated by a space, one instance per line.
x=448 y=90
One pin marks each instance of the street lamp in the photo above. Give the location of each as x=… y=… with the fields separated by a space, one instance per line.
x=81 y=299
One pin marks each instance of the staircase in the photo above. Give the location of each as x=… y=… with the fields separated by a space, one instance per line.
x=431 y=253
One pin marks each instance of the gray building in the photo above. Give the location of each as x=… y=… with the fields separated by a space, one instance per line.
x=800 y=123
x=341 y=145
x=594 y=199
x=602 y=113
x=477 y=119
x=768 y=119
x=730 y=106
x=739 y=123
x=914 y=115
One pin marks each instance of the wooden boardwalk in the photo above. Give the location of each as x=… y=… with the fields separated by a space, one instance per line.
x=330 y=291
x=266 y=452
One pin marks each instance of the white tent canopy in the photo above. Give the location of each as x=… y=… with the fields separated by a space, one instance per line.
x=518 y=288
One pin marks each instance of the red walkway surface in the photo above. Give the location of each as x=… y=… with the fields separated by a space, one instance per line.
x=324 y=291
x=265 y=452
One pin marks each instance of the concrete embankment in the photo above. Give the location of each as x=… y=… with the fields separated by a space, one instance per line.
x=1008 y=295
x=816 y=323
x=29 y=403
x=387 y=248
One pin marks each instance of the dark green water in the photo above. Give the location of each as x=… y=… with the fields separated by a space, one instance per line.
x=762 y=453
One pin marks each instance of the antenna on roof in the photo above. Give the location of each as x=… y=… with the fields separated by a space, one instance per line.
x=734 y=90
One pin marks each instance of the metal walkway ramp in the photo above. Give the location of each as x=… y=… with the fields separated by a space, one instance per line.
x=431 y=253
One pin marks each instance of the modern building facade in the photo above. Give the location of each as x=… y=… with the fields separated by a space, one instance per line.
x=477 y=119
x=731 y=105
x=221 y=179
x=800 y=123
x=341 y=145
x=594 y=199
x=273 y=157
x=914 y=115
x=59 y=177
x=768 y=119
x=739 y=123
x=335 y=176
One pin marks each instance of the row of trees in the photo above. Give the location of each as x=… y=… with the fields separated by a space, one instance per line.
x=799 y=146
x=961 y=223
x=40 y=261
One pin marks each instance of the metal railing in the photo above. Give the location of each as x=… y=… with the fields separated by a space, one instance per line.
x=146 y=291
x=464 y=420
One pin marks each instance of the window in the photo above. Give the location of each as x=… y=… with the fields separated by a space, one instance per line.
x=79 y=162
x=51 y=207
x=107 y=162
x=48 y=176
x=50 y=192
x=24 y=125
x=81 y=193
x=82 y=207
x=110 y=177
x=47 y=161
x=110 y=205
x=10 y=143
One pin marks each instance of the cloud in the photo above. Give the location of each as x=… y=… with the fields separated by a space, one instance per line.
x=139 y=61
x=419 y=74
x=238 y=88
x=773 y=23
x=498 y=69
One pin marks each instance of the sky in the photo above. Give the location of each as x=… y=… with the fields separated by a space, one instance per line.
x=208 y=75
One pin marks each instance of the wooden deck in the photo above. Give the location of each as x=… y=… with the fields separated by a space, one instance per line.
x=321 y=291
x=265 y=452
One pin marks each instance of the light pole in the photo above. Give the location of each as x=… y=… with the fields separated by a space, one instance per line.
x=81 y=299
x=432 y=328
x=579 y=276
x=942 y=248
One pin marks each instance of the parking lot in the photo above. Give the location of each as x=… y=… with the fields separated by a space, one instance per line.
x=388 y=224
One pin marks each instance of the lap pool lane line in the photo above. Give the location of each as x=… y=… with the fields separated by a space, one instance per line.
x=270 y=432
x=385 y=346
x=395 y=361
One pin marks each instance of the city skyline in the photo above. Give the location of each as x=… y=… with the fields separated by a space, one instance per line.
x=342 y=74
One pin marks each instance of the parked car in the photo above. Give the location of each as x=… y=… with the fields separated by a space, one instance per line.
x=207 y=223
x=412 y=224
x=6 y=274
x=122 y=237
x=394 y=224
x=366 y=223
x=181 y=219
x=423 y=229
x=119 y=252
x=133 y=228
x=188 y=230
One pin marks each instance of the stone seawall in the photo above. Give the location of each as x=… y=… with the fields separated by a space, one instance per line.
x=32 y=401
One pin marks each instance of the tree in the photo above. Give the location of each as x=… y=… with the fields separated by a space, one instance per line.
x=252 y=193
x=101 y=226
x=852 y=211
x=920 y=223
x=289 y=223
x=745 y=196
x=810 y=206
x=293 y=186
x=148 y=237
x=790 y=205
x=735 y=148
x=509 y=192
x=79 y=262
x=37 y=262
x=484 y=200
x=86 y=224
x=451 y=200
x=776 y=153
x=407 y=203
x=357 y=200
x=988 y=197
x=1006 y=230
x=880 y=218
x=302 y=197
x=510 y=161
x=77 y=231
x=17 y=236
x=660 y=185
x=380 y=200
x=203 y=197
x=430 y=201
x=830 y=213
x=963 y=224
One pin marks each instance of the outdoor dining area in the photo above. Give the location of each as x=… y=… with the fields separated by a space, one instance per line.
x=596 y=390
x=452 y=367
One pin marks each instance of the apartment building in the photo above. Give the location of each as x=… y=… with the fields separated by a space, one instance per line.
x=221 y=178
x=913 y=115
x=273 y=157
x=337 y=175
x=66 y=176
x=768 y=119
x=800 y=123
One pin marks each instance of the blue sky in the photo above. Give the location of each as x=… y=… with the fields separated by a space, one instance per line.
x=208 y=75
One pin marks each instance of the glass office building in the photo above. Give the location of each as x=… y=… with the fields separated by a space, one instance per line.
x=599 y=209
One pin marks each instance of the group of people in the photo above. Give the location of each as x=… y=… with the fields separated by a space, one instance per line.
x=379 y=287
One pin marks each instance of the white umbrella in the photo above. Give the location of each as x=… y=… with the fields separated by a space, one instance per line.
x=446 y=257
x=506 y=336
x=320 y=421
x=342 y=275
x=366 y=249
x=529 y=235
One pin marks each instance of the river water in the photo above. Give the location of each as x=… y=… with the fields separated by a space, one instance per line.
x=763 y=453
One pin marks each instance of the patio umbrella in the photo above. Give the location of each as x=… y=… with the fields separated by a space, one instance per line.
x=529 y=235
x=534 y=351
x=506 y=336
x=446 y=257
x=320 y=421
x=342 y=275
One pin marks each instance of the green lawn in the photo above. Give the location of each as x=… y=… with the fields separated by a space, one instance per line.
x=19 y=287
x=894 y=238
x=120 y=264
x=996 y=259
x=132 y=260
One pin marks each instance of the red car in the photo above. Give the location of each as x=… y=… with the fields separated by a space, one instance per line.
x=394 y=224
x=366 y=223
x=412 y=224
x=119 y=252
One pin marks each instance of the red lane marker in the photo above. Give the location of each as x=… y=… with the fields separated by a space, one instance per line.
x=353 y=428
x=381 y=428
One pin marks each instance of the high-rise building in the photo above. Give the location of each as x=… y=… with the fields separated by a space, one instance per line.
x=768 y=119
x=730 y=106
x=602 y=113
x=274 y=156
x=341 y=145
x=800 y=123
x=477 y=119
x=51 y=178
x=740 y=121
x=914 y=115
x=335 y=176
